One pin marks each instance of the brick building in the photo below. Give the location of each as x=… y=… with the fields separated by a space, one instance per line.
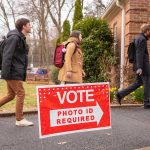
x=125 y=18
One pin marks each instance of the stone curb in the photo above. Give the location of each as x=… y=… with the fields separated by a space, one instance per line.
x=9 y=114
x=125 y=105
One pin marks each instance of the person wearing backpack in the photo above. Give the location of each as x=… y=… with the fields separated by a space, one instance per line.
x=14 y=66
x=141 y=67
x=72 y=69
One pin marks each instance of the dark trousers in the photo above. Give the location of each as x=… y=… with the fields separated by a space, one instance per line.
x=140 y=80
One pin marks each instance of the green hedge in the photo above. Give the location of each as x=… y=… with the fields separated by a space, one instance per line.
x=97 y=48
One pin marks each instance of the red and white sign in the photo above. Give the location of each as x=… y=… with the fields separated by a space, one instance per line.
x=64 y=109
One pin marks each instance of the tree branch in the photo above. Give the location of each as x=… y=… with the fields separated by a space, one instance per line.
x=5 y=16
x=12 y=10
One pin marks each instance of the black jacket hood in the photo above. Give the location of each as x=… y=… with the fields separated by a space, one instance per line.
x=14 y=32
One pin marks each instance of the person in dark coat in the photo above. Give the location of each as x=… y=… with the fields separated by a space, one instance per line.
x=14 y=66
x=141 y=66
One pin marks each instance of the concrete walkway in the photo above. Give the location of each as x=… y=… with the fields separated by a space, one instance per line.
x=130 y=131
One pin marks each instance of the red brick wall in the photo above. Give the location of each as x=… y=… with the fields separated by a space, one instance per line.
x=137 y=13
x=116 y=22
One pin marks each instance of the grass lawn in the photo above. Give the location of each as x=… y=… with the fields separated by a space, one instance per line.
x=30 y=98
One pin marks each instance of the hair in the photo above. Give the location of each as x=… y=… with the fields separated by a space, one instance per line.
x=145 y=28
x=21 y=22
x=75 y=34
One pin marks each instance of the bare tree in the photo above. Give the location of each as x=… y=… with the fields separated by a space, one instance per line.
x=55 y=9
x=7 y=12
x=45 y=11
x=47 y=17
x=95 y=8
x=100 y=7
x=4 y=15
x=0 y=2
x=11 y=4
x=37 y=12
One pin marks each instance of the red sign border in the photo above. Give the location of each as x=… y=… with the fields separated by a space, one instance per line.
x=68 y=132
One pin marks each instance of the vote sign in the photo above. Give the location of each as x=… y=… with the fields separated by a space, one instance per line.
x=64 y=109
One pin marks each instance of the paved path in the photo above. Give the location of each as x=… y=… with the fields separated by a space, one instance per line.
x=130 y=131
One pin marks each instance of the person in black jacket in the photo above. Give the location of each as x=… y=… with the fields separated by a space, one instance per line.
x=14 y=66
x=141 y=66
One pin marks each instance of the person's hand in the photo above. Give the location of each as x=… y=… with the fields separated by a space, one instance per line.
x=69 y=74
x=139 y=71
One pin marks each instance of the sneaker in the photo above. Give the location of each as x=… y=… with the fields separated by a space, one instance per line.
x=24 y=123
x=118 y=97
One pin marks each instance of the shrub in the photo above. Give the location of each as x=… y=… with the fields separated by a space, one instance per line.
x=138 y=94
x=54 y=74
x=112 y=95
x=97 y=48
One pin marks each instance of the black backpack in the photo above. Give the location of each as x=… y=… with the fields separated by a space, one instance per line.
x=2 y=45
x=131 y=53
